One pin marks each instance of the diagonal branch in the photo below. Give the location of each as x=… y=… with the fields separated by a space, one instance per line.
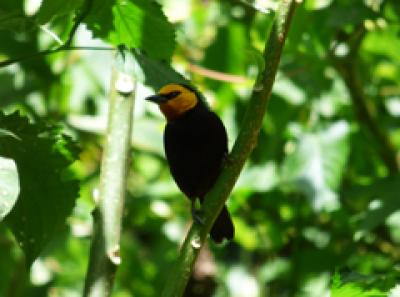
x=244 y=145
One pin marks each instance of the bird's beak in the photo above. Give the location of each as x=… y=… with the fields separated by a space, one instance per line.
x=157 y=98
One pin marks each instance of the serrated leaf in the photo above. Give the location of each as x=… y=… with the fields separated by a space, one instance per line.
x=53 y=8
x=315 y=167
x=9 y=186
x=46 y=197
x=137 y=24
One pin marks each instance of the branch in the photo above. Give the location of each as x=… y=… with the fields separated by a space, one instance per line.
x=52 y=51
x=246 y=141
x=347 y=68
x=216 y=75
x=105 y=248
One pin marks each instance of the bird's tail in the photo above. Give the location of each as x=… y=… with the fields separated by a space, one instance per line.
x=223 y=227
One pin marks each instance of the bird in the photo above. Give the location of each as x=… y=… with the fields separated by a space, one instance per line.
x=196 y=146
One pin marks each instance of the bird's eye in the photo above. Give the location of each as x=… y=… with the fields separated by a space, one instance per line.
x=172 y=94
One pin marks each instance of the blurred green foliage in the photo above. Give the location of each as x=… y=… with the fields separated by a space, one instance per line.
x=316 y=201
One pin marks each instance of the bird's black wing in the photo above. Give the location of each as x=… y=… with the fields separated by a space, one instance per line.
x=195 y=146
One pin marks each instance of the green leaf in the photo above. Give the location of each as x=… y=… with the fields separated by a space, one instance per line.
x=9 y=186
x=232 y=41
x=53 y=8
x=137 y=24
x=316 y=165
x=12 y=17
x=353 y=289
x=155 y=73
x=42 y=155
x=385 y=193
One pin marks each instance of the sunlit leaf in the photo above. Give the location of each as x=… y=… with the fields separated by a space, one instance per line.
x=137 y=24
x=354 y=290
x=316 y=165
x=9 y=186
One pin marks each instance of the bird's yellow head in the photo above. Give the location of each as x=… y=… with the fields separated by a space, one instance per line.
x=174 y=100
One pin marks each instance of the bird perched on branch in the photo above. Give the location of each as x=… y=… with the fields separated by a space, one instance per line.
x=195 y=144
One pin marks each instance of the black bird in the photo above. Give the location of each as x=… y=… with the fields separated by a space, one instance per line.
x=195 y=144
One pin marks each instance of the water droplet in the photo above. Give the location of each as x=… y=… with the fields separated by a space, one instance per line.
x=196 y=242
x=341 y=50
x=124 y=84
x=96 y=195
x=115 y=255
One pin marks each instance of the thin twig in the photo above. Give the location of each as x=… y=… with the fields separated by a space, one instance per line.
x=217 y=75
x=53 y=51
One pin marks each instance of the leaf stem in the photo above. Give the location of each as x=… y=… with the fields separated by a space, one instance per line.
x=52 y=51
x=105 y=248
x=244 y=145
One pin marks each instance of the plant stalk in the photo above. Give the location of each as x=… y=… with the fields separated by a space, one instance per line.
x=105 y=247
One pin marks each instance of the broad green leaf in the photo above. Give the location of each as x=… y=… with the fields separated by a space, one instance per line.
x=232 y=41
x=137 y=24
x=53 y=8
x=316 y=165
x=9 y=186
x=47 y=196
